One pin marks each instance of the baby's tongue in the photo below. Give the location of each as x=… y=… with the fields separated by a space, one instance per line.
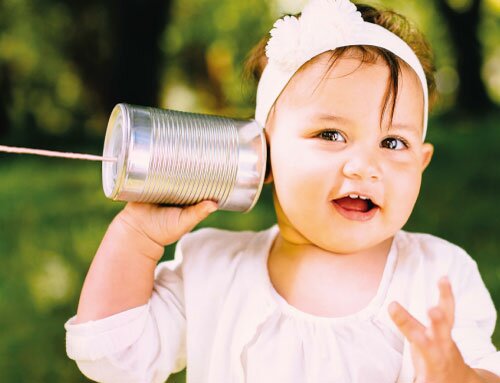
x=357 y=204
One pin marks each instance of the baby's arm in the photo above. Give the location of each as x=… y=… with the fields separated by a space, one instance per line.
x=122 y=273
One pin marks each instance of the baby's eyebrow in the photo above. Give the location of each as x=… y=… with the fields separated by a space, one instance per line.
x=333 y=117
x=411 y=128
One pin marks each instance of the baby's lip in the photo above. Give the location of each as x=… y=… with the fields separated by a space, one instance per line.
x=355 y=205
x=372 y=201
x=355 y=211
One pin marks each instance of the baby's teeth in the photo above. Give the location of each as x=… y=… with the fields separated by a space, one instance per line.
x=353 y=196
x=363 y=197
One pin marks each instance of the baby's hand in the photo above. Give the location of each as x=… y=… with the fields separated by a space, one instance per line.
x=436 y=357
x=163 y=225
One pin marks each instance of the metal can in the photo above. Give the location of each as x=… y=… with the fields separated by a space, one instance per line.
x=179 y=158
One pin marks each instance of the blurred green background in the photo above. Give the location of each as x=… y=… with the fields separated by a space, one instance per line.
x=64 y=64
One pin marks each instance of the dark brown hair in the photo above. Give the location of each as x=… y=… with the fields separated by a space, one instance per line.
x=390 y=20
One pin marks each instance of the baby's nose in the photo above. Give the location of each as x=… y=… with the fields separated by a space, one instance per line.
x=362 y=164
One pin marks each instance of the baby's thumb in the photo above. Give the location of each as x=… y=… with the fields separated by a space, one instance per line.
x=192 y=215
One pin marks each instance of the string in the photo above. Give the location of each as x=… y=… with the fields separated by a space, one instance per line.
x=50 y=153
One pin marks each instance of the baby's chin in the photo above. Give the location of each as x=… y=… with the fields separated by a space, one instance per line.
x=350 y=246
x=339 y=242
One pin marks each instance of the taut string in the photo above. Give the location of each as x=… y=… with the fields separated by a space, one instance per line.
x=50 y=153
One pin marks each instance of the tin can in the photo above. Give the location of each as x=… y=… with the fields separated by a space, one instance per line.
x=179 y=158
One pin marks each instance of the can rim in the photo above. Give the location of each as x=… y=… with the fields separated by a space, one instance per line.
x=263 y=169
x=115 y=145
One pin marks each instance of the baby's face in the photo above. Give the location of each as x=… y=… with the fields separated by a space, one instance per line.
x=343 y=181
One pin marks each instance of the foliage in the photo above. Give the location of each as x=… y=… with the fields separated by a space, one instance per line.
x=205 y=46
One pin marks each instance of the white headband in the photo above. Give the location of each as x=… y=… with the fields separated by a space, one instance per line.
x=323 y=25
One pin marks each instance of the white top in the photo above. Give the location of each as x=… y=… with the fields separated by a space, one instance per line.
x=214 y=309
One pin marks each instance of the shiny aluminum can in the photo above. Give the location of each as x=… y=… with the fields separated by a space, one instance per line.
x=179 y=158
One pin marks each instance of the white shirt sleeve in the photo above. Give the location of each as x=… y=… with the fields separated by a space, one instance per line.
x=475 y=319
x=144 y=344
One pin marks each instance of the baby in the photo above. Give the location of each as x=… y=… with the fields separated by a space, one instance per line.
x=343 y=95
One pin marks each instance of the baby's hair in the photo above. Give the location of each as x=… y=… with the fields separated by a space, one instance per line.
x=390 y=20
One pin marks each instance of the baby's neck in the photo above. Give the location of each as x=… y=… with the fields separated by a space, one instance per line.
x=325 y=283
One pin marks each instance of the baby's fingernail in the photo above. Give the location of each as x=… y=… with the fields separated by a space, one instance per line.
x=444 y=280
x=393 y=308
x=211 y=208
x=435 y=313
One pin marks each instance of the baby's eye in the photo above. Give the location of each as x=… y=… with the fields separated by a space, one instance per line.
x=332 y=135
x=394 y=143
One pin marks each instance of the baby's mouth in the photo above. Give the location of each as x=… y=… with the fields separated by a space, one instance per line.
x=356 y=208
x=355 y=204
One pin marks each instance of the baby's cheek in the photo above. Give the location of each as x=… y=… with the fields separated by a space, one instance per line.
x=404 y=195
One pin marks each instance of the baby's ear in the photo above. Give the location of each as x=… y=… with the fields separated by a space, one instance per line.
x=427 y=152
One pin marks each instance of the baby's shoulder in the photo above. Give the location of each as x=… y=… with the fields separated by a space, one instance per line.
x=213 y=248
x=215 y=261
x=432 y=252
x=213 y=239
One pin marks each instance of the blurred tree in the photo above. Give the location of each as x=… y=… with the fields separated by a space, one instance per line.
x=65 y=64
x=5 y=87
x=463 y=19
x=5 y=97
x=127 y=66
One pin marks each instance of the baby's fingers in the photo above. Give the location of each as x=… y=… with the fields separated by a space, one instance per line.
x=169 y=224
x=190 y=216
x=409 y=326
x=413 y=330
x=163 y=225
x=446 y=300
x=441 y=327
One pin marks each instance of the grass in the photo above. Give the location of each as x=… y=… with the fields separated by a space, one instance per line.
x=53 y=215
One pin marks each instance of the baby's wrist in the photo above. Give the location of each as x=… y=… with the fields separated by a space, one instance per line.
x=134 y=239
